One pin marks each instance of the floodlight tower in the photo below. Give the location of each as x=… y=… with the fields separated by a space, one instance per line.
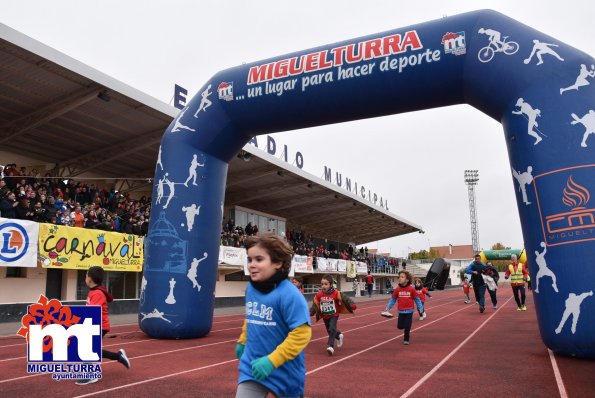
x=471 y=180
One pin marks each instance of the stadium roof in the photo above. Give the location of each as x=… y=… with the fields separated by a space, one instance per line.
x=60 y=111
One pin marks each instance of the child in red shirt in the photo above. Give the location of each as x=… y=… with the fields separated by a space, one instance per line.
x=298 y=281
x=328 y=303
x=422 y=292
x=98 y=295
x=465 y=285
x=405 y=296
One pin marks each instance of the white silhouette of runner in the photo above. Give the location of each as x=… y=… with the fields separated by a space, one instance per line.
x=160 y=189
x=523 y=180
x=192 y=171
x=573 y=307
x=531 y=115
x=193 y=271
x=205 y=102
x=191 y=212
x=172 y=189
x=588 y=120
x=159 y=158
x=581 y=80
x=543 y=269
x=154 y=314
x=179 y=126
x=541 y=48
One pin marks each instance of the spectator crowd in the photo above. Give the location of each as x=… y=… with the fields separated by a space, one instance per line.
x=26 y=195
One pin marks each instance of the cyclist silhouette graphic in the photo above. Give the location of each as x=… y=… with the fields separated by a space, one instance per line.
x=496 y=45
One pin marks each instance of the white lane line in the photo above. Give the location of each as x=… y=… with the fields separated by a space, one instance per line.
x=157 y=378
x=103 y=346
x=380 y=344
x=227 y=341
x=136 y=357
x=377 y=323
x=446 y=358
x=559 y=380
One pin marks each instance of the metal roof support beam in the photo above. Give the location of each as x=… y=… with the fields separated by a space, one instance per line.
x=250 y=195
x=124 y=186
x=252 y=175
x=299 y=203
x=92 y=160
x=319 y=214
x=12 y=129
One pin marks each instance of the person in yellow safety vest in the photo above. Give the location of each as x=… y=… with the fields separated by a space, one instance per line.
x=518 y=276
x=528 y=280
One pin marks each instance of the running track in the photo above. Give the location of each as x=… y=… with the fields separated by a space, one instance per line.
x=455 y=352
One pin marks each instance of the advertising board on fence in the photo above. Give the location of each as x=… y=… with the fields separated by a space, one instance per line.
x=302 y=264
x=79 y=248
x=18 y=243
x=232 y=255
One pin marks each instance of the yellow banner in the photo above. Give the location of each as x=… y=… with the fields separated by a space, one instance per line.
x=80 y=248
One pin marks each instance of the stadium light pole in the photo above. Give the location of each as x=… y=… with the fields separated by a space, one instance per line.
x=471 y=180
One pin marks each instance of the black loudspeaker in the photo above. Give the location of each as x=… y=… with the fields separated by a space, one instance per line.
x=437 y=275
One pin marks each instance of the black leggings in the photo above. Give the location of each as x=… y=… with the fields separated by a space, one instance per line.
x=515 y=291
x=109 y=354
x=331 y=328
x=404 y=322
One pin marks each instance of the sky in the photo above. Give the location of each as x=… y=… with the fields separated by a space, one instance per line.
x=416 y=161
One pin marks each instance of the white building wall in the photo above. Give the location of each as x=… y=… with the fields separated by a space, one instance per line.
x=22 y=290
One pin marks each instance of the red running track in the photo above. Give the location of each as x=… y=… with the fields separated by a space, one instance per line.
x=455 y=352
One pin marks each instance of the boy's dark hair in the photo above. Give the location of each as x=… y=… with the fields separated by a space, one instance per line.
x=329 y=278
x=299 y=279
x=96 y=274
x=276 y=247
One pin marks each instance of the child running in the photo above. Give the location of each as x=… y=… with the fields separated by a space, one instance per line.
x=98 y=295
x=422 y=292
x=466 y=290
x=277 y=325
x=405 y=296
x=328 y=303
x=298 y=281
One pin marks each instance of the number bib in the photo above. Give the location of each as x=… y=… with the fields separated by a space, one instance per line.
x=328 y=307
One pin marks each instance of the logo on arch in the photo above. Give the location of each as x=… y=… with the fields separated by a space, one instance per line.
x=225 y=91
x=454 y=43
x=14 y=241
x=565 y=206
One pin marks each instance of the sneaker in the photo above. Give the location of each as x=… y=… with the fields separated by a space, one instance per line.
x=481 y=309
x=386 y=314
x=340 y=342
x=83 y=382
x=494 y=306
x=330 y=351
x=123 y=359
x=523 y=308
x=519 y=309
x=405 y=342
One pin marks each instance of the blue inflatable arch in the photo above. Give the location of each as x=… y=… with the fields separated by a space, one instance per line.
x=540 y=89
